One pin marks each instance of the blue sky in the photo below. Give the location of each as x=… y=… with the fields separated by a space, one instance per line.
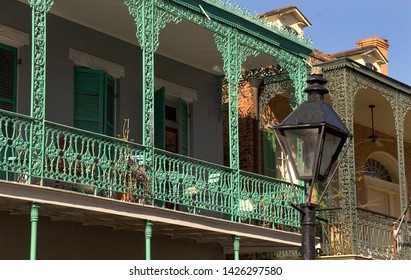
x=337 y=25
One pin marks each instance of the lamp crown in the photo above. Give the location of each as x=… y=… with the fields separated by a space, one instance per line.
x=316 y=82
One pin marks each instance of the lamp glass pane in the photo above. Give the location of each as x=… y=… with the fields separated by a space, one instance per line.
x=330 y=147
x=302 y=145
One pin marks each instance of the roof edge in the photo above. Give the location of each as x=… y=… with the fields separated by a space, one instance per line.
x=349 y=63
x=247 y=25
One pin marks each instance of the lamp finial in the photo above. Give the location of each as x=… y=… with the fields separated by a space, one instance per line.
x=316 y=70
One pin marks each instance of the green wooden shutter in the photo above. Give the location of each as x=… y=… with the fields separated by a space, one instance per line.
x=89 y=99
x=160 y=118
x=8 y=91
x=183 y=127
x=109 y=106
x=8 y=77
x=268 y=143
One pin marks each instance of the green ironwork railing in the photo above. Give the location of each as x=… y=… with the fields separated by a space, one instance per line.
x=267 y=199
x=193 y=185
x=374 y=234
x=92 y=163
x=14 y=146
x=77 y=160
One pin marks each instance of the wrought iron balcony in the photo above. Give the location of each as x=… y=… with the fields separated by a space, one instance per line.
x=374 y=236
x=81 y=161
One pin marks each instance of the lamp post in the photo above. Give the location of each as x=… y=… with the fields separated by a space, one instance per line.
x=312 y=137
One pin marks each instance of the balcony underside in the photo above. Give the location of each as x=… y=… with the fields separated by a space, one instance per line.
x=62 y=205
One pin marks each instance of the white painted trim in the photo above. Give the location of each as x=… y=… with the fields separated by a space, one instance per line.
x=175 y=90
x=381 y=185
x=87 y=60
x=13 y=37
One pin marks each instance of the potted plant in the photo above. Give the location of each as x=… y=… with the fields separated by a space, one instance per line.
x=135 y=174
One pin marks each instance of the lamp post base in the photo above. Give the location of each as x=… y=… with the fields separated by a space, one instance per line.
x=308 y=224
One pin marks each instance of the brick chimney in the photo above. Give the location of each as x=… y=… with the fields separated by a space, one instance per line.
x=381 y=44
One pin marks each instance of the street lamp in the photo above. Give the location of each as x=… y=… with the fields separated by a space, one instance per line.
x=312 y=137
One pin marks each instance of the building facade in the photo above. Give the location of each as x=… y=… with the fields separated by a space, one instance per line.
x=367 y=203
x=111 y=131
x=142 y=130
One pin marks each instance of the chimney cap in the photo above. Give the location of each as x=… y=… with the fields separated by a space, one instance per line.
x=375 y=41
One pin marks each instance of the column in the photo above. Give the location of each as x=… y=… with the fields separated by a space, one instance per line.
x=38 y=86
x=148 y=234
x=34 y=217
x=400 y=108
x=234 y=55
x=343 y=88
x=236 y=247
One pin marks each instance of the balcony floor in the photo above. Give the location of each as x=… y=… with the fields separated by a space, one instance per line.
x=62 y=205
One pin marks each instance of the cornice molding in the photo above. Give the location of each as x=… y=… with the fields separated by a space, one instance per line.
x=175 y=90
x=80 y=58
x=13 y=37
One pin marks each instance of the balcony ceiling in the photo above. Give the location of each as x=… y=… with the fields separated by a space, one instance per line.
x=383 y=115
x=384 y=121
x=186 y=42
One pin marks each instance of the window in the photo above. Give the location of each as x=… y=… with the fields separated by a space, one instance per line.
x=171 y=122
x=376 y=169
x=371 y=66
x=8 y=77
x=94 y=93
x=275 y=163
x=268 y=150
x=382 y=190
x=8 y=89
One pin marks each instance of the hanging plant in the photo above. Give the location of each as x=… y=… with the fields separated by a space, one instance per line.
x=141 y=176
x=136 y=173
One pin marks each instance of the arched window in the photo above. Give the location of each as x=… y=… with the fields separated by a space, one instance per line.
x=376 y=169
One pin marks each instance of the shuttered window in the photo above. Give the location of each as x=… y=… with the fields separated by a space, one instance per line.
x=177 y=111
x=268 y=150
x=8 y=77
x=8 y=91
x=94 y=101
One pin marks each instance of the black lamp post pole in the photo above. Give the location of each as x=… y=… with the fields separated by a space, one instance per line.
x=308 y=224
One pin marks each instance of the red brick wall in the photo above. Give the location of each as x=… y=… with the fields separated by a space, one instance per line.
x=246 y=119
x=278 y=109
x=317 y=57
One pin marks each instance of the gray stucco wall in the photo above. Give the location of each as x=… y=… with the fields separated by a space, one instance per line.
x=206 y=135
